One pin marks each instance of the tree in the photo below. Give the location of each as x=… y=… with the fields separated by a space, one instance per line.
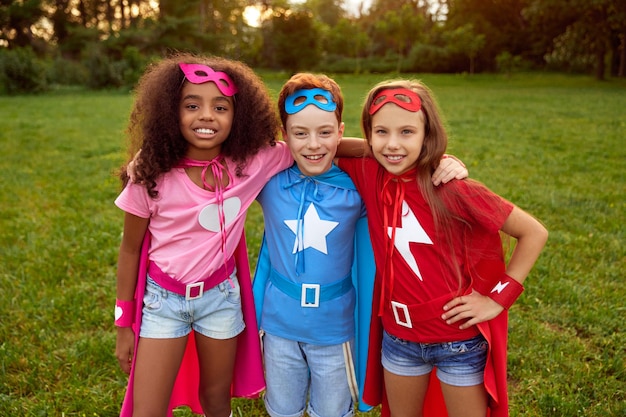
x=587 y=28
x=347 y=39
x=327 y=11
x=294 y=39
x=499 y=23
x=17 y=20
x=466 y=41
x=400 y=28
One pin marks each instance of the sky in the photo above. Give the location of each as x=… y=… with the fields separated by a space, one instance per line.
x=351 y=5
x=252 y=14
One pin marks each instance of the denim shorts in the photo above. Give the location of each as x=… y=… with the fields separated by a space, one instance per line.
x=217 y=314
x=295 y=371
x=460 y=364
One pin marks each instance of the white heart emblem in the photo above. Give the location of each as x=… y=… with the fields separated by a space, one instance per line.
x=209 y=216
x=118 y=312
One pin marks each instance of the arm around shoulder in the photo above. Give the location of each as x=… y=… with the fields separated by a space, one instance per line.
x=350 y=147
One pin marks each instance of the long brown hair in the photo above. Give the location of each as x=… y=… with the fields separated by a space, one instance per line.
x=435 y=139
x=440 y=201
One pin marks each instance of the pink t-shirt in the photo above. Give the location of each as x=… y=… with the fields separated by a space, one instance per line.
x=184 y=223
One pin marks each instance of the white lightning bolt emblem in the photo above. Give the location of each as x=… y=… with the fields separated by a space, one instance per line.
x=411 y=231
x=499 y=287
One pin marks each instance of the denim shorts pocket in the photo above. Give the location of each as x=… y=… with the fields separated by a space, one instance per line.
x=231 y=290
x=397 y=340
x=475 y=344
x=152 y=298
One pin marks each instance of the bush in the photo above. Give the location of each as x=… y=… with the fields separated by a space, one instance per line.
x=67 y=72
x=21 y=72
x=379 y=65
x=429 y=58
x=102 y=72
x=507 y=63
x=134 y=65
x=341 y=65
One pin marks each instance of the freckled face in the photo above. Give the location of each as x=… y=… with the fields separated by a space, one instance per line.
x=206 y=117
x=313 y=135
x=397 y=138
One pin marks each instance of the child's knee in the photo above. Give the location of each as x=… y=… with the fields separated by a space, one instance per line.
x=215 y=401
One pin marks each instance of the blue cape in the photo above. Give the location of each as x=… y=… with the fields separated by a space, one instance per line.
x=363 y=272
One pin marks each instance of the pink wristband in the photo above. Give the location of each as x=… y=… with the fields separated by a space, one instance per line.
x=124 y=313
x=506 y=291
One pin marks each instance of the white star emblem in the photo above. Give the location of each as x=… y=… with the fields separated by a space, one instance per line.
x=313 y=232
x=499 y=287
x=411 y=231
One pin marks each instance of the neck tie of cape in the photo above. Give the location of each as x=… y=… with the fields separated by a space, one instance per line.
x=393 y=197
x=217 y=170
x=307 y=183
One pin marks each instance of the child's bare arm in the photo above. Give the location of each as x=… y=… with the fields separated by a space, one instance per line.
x=127 y=269
x=531 y=237
x=350 y=147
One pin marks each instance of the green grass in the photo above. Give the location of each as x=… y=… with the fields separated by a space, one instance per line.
x=553 y=144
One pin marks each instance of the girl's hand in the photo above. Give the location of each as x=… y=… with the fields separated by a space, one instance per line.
x=450 y=168
x=473 y=308
x=124 y=347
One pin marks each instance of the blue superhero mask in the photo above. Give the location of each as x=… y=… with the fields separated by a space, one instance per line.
x=310 y=96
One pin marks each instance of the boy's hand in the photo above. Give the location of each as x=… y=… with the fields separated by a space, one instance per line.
x=473 y=308
x=450 y=168
x=130 y=168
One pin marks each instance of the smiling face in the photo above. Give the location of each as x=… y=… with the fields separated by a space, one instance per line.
x=313 y=135
x=397 y=138
x=206 y=117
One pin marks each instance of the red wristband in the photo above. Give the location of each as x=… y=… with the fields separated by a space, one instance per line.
x=506 y=291
x=124 y=313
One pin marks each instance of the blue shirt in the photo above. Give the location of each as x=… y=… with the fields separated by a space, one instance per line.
x=323 y=212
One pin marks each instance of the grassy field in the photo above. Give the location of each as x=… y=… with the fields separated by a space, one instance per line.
x=553 y=144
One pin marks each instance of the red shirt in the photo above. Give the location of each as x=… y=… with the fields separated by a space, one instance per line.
x=421 y=268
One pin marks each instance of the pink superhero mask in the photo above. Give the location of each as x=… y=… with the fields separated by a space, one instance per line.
x=200 y=74
x=391 y=96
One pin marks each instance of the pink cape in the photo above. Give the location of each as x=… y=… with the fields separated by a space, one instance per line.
x=248 y=378
x=495 y=332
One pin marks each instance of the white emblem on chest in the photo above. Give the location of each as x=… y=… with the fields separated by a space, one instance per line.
x=411 y=231
x=312 y=233
x=209 y=216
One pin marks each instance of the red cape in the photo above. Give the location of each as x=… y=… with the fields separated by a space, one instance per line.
x=248 y=378
x=495 y=332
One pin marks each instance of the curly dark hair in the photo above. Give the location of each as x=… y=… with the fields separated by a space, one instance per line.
x=154 y=124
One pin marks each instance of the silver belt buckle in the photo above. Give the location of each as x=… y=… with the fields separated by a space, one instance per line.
x=303 y=295
x=396 y=306
x=199 y=286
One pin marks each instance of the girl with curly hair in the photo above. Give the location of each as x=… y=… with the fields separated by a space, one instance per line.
x=206 y=131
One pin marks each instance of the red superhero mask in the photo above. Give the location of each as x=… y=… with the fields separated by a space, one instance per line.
x=391 y=95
